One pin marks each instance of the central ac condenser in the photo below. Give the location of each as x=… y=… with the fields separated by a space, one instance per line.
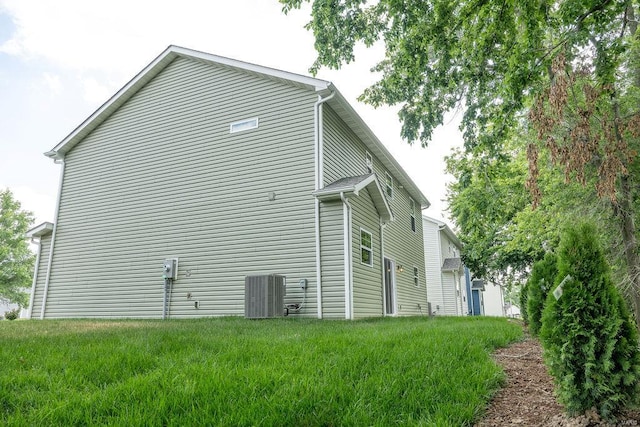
x=264 y=296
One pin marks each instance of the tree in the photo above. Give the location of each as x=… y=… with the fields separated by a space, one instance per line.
x=570 y=69
x=590 y=342
x=16 y=259
x=542 y=278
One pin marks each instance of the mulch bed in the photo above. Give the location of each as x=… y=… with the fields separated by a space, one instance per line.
x=527 y=397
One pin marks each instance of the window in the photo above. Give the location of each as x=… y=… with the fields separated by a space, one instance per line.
x=389 y=182
x=412 y=209
x=366 y=249
x=368 y=160
x=243 y=125
x=416 y=280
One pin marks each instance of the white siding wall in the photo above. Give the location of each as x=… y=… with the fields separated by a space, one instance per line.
x=433 y=265
x=332 y=251
x=493 y=300
x=163 y=177
x=451 y=297
x=344 y=155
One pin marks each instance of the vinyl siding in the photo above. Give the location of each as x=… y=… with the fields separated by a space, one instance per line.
x=332 y=253
x=344 y=155
x=451 y=301
x=43 y=259
x=367 y=280
x=163 y=177
x=433 y=265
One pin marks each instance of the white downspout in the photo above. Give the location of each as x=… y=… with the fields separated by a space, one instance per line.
x=319 y=168
x=59 y=160
x=35 y=279
x=384 y=287
x=348 y=270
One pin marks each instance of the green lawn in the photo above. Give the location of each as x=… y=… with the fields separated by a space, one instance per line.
x=237 y=372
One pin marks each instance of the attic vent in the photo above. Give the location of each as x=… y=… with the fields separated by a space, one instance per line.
x=243 y=125
x=264 y=296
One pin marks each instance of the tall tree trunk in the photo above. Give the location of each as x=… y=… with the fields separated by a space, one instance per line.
x=625 y=208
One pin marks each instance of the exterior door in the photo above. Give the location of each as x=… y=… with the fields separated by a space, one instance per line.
x=476 y=302
x=389 y=288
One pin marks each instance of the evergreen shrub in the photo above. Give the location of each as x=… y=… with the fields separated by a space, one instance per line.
x=541 y=280
x=590 y=343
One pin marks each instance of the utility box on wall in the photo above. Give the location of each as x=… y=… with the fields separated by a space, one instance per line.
x=264 y=296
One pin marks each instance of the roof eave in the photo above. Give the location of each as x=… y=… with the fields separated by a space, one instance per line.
x=40 y=230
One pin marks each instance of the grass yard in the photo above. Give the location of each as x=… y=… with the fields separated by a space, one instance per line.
x=237 y=372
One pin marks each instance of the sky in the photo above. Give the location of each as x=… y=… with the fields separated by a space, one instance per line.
x=61 y=60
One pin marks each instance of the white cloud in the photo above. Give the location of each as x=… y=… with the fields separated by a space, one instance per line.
x=120 y=35
x=95 y=92
x=52 y=81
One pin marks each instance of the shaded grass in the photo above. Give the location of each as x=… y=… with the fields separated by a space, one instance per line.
x=235 y=372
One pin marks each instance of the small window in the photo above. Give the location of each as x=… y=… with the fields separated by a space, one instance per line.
x=389 y=182
x=416 y=281
x=368 y=160
x=243 y=125
x=366 y=249
x=412 y=209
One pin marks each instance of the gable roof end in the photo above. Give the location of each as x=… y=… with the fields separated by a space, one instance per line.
x=352 y=185
x=153 y=69
x=322 y=87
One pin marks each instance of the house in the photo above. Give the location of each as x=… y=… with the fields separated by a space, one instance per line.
x=446 y=284
x=494 y=304
x=228 y=169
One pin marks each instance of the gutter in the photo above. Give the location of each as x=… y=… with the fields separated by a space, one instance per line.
x=58 y=159
x=384 y=288
x=319 y=168
x=35 y=280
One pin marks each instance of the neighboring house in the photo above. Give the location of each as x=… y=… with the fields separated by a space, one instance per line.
x=233 y=169
x=446 y=284
x=494 y=300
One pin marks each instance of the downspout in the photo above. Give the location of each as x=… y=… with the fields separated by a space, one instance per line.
x=58 y=159
x=384 y=288
x=319 y=168
x=348 y=267
x=35 y=279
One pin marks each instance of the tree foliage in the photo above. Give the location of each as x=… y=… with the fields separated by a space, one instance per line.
x=567 y=70
x=16 y=259
x=485 y=198
x=590 y=343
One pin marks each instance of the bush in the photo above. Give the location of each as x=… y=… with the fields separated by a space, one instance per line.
x=541 y=280
x=12 y=314
x=590 y=343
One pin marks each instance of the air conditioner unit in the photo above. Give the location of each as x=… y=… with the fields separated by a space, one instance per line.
x=264 y=296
